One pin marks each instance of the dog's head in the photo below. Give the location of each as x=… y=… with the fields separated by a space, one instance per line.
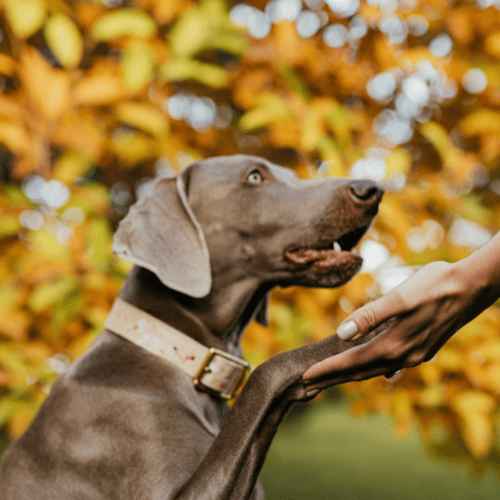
x=245 y=213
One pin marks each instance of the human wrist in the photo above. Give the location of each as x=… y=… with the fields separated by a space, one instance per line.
x=481 y=269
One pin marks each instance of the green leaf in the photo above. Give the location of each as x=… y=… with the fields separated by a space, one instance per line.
x=123 y=22
x=64 y=40
x=98 y=239
x=25 y=16
x=65 y=312
x=48 y=294
x=8 y=408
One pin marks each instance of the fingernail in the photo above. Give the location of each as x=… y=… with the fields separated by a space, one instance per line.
x=346 y=330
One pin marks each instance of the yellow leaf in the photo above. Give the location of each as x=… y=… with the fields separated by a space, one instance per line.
x=398 y=162
x=437 y=136
x=164 y=12
x=457 y=162
x=492 y=44
x=469 y=402
x=81 y=344
x=330 y=153
x=481 y=121
x=477 y=432
x=7 y=64
x=132 y=147
x=314 y=129
x=493 y=378
x=402 y=410
x=123 y=22
x=430 y=373
x=70 y=166
x=270 y=108
x=64 y=40
x=14 y=136
x=137 y=65
x=47 y=88
x=203 y=27
x=189 y=69
x=92 y=198
x=25 y=16
x=9 y=225
x=15 y=324
x=432 y=396
x=99 y=89
x=21 y=419
x=143 y=116
x=81 y=130
x=10 y=297
x=44 y=244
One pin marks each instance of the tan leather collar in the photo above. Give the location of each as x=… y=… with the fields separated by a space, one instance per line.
x=210 y=369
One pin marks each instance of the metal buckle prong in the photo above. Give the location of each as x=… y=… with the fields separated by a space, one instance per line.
x=205 y=367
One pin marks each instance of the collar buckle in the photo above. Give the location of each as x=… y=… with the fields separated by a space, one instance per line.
x=235 y=373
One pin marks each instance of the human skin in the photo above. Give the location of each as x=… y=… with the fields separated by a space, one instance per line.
x=422 y=314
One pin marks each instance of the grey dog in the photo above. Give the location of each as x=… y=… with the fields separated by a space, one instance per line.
x=209 y=244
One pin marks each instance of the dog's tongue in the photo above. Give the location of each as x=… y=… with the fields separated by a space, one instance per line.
x=306 y=255
x=322 y=258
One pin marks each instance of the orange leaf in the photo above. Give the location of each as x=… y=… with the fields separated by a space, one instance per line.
x=48 y=89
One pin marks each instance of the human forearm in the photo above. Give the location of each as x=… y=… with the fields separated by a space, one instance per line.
x=481 y=269
x=426 y=310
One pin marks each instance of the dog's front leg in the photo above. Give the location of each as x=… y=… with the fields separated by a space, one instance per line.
x=259 y=447
x=230 y=468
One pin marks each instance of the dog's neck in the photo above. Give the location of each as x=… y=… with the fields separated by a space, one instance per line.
x=215 y=321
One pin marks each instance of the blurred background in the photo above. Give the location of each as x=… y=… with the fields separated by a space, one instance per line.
x=99 y=97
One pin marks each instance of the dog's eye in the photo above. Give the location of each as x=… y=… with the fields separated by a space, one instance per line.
x=255 y=177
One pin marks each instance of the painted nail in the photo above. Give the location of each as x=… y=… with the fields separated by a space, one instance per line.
x=346 y=330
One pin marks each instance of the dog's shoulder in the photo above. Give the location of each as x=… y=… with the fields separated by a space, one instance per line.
x=119 y=397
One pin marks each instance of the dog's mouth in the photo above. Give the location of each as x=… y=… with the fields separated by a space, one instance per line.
x=329 y=257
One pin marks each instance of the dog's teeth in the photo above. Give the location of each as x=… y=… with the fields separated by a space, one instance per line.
x=336 y=246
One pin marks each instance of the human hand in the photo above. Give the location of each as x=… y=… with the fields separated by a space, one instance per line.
x=422 y=314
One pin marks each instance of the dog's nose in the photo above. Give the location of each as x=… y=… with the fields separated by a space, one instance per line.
x=365 y=192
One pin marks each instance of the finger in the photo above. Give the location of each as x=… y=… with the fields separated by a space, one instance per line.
x=388 y=349
x=370 y=315
x=354 y=359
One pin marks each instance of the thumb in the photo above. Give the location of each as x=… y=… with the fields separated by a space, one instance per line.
x=370 y=315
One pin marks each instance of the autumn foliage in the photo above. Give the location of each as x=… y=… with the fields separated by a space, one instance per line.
x=99 y=97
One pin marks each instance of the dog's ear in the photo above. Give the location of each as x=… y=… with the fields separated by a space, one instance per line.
x=161 y=233
x=261 y=316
